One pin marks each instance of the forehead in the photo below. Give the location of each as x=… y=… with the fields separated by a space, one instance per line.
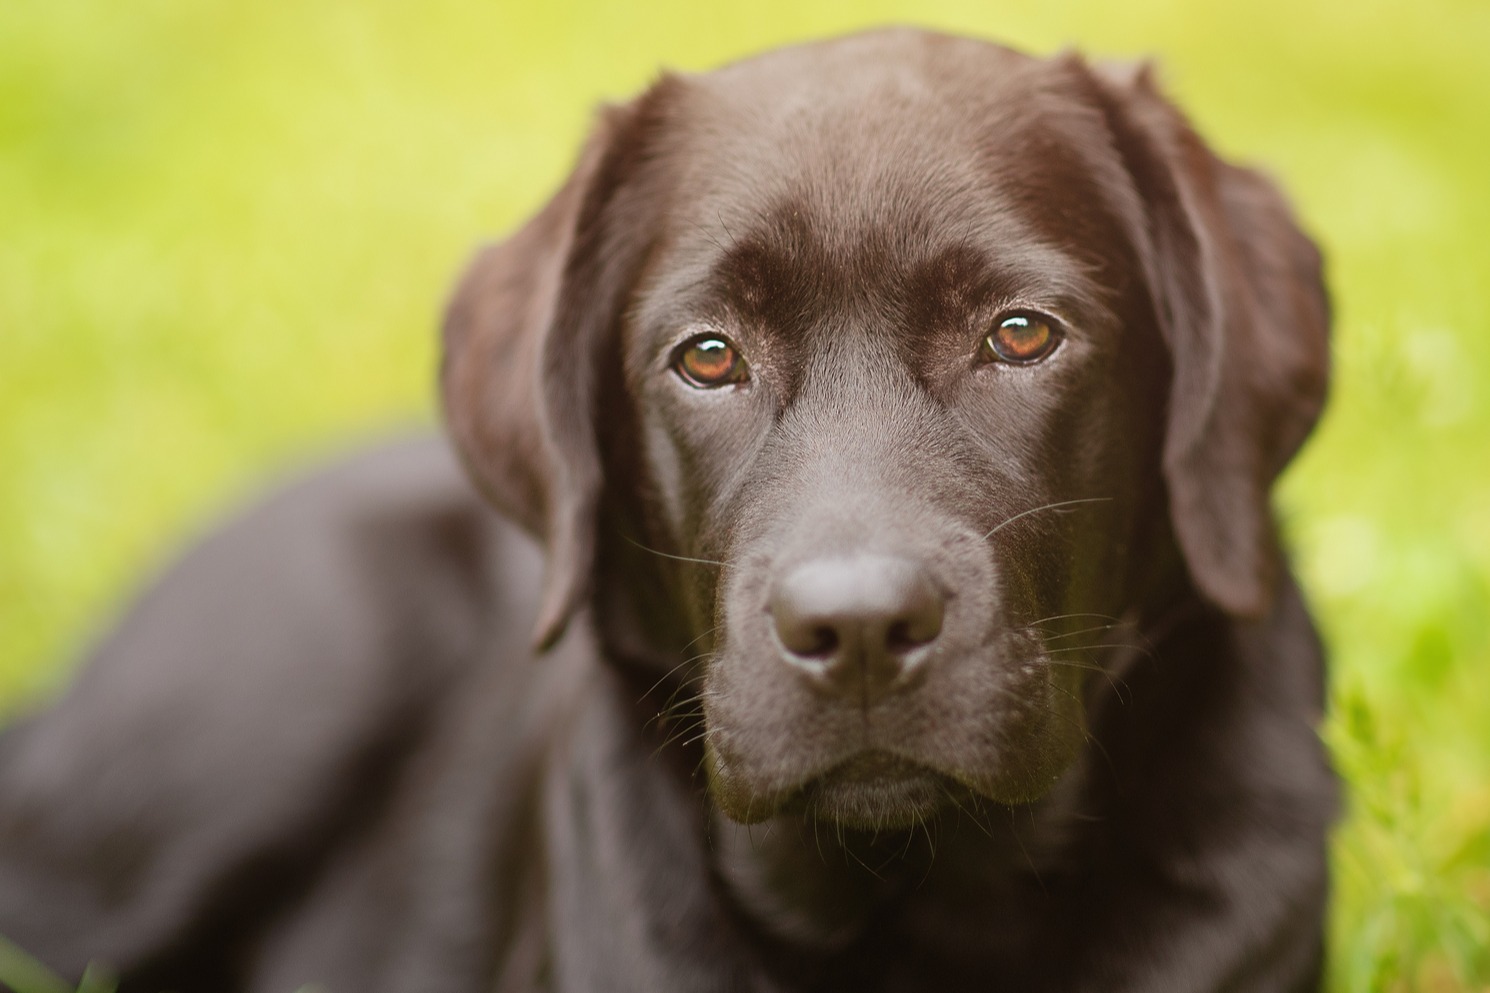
x=904 y=162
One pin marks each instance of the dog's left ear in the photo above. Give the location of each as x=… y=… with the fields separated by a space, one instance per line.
x=1240 y=297
x=524 y=337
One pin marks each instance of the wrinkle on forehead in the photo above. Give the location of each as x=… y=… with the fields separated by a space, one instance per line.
x=857 y=195
x=785 y=276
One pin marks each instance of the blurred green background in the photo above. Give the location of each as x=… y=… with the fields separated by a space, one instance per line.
x=226 y=231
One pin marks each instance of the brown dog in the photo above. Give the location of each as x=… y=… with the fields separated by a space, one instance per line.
x=898 y=416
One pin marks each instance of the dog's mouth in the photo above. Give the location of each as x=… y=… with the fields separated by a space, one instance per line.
x=873 y=790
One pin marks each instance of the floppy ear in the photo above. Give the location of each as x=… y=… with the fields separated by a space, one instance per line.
x=1240 y=298
x=523 y=336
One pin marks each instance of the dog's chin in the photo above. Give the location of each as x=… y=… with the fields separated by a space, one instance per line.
x=873 y=791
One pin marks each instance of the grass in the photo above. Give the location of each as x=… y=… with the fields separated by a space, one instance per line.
x=226 y=230
x=23 y=974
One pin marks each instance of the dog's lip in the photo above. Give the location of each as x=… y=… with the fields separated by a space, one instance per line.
x=872 y=789
x=875 y=787
x=872 y=765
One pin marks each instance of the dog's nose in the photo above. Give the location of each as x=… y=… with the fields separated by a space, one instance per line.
x=857 y=624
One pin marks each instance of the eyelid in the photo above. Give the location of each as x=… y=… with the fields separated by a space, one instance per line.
x=1057 y=313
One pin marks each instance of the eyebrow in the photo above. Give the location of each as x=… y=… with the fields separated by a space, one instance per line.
x=1035 y=271
x=779 y=273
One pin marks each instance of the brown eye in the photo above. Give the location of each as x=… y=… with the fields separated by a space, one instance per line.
x=1022 y=339
x=710 y=361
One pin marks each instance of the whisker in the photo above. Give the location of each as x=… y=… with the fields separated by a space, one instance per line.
x=849 y=849
x=1144 y=650
x=703 y=735
x=719 y=216
x=670 y=555
x=930 y=845
x=1086 y=733
x=970 y=815
x=686 y=725
x=1074 y=664
x=910 y=837
x=700 y=638
x=686 y=710
x=1048 y=506
x=708 y=234
x=696 y=732
x=1014 y=830
x=1112 y=681
x=674 y=737
x=1063 y=617
x=680 y=702
x=1072 y=634
x=666 y=675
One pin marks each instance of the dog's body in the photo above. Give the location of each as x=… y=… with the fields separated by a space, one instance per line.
x=897 y=416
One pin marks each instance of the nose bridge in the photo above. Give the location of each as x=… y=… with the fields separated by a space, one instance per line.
x=853 y=365
x=860 y=425
x=863 y=525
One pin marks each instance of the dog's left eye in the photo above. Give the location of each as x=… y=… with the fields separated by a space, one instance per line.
x=1022 y=339
x=710 y=361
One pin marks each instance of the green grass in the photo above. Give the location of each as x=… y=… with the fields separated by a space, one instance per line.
x=23 y=974
x=226 y=230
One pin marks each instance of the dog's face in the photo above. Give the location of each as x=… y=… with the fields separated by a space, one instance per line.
x=916 y=363
x=880 y=378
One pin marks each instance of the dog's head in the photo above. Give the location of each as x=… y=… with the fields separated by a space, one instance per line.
x=871 y=376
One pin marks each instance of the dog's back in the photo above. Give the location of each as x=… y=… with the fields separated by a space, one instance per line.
x=245 y=746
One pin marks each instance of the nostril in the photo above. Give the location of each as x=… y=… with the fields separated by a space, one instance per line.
x=920 y=624
x=823 y=645
x=899 y=638
x=805 y=633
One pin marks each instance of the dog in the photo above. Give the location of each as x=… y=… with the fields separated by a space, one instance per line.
x=855 y=572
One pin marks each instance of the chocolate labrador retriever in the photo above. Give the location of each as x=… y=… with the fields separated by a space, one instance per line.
x=897 y=417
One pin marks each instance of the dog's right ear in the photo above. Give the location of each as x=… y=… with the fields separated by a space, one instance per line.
x=523 y=337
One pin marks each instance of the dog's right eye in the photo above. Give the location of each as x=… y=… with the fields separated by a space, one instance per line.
x=709 y=362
